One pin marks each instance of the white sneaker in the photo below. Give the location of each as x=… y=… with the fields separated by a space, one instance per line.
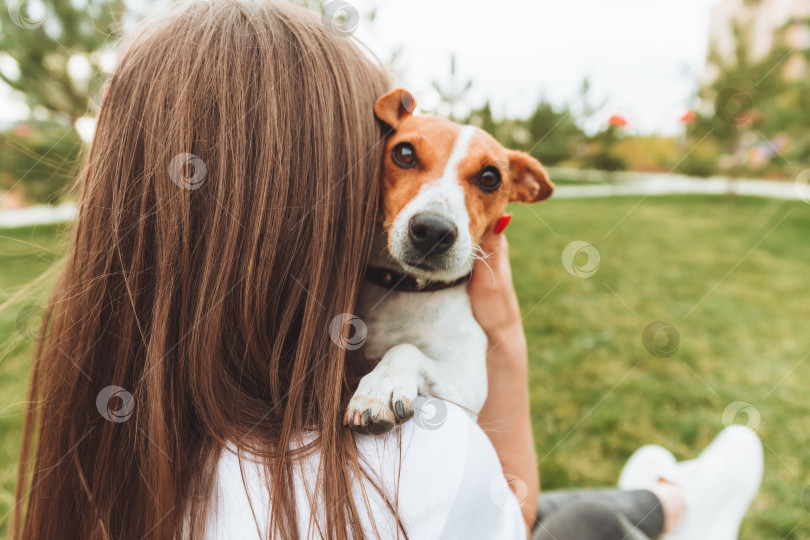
x=644 y=468
x=718 y=486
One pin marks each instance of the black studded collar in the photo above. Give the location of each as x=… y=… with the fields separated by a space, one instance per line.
x=398 y=281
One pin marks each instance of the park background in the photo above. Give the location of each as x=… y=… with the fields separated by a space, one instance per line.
x=663 y=287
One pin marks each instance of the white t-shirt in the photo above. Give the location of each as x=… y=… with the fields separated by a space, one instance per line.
x=450 y=484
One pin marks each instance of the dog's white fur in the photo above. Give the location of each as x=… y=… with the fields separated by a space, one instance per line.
x=427 y=342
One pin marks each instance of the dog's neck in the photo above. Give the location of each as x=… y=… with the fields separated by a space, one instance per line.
x=396 y=281
x=385 y=271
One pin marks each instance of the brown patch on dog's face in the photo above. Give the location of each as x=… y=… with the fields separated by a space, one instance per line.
x=486 y=160
x=418 y=170
x=432 y=140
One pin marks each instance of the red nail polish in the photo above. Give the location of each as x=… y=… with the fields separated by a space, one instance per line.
x=502 y=223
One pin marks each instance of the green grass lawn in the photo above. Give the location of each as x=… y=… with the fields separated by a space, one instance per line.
x=24 y=255
x=730 y=277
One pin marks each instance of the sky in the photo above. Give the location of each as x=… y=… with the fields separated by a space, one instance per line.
x=642 y=56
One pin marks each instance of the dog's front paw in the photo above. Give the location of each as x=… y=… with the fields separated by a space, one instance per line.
x=378 y=405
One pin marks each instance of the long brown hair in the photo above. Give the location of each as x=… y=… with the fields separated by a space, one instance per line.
x=224 y=221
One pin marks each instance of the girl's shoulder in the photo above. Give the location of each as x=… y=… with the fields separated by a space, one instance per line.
x=440 y=468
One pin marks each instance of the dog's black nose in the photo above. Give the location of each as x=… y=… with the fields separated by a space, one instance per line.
x=431 y=234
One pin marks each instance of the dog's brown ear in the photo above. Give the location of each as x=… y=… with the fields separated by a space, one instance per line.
x=393 y=106
x=531 y=179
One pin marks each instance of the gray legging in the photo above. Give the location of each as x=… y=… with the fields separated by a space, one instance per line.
x=608 y=514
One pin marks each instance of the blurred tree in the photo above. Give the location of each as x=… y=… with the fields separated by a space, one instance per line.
x=744 y=104
x=554 y=133
x=51 y=53
x=798 y=107
x=52 y=50
x=550 y=134
x=602 y=150
x=484 y=119
x=43 y=155
x=454 y=92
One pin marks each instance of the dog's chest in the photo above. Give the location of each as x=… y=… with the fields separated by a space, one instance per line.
x=440 y=323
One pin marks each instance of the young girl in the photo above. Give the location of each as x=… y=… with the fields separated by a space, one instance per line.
x=188 y=385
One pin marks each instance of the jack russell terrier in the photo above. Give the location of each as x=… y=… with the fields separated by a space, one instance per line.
x=444 y=186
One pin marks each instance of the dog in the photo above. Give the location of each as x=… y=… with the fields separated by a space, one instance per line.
x=444 y=186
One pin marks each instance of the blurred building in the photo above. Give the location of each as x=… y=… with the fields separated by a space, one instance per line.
x=760 y=20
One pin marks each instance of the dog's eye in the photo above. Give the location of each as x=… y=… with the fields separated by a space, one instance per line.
x=490 y=179
x=404 y=155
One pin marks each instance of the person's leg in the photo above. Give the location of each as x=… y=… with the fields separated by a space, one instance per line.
x=586 y=520
x=714 y=490
x=705 y=498
x=639 y=509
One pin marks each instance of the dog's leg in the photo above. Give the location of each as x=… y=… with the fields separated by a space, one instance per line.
x=384 y=397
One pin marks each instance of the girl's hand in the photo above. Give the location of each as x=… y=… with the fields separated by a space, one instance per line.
x=505 y=417
x=492 y=294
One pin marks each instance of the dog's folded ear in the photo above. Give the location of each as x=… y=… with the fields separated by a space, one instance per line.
x=531 y=182
x=394 y=105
